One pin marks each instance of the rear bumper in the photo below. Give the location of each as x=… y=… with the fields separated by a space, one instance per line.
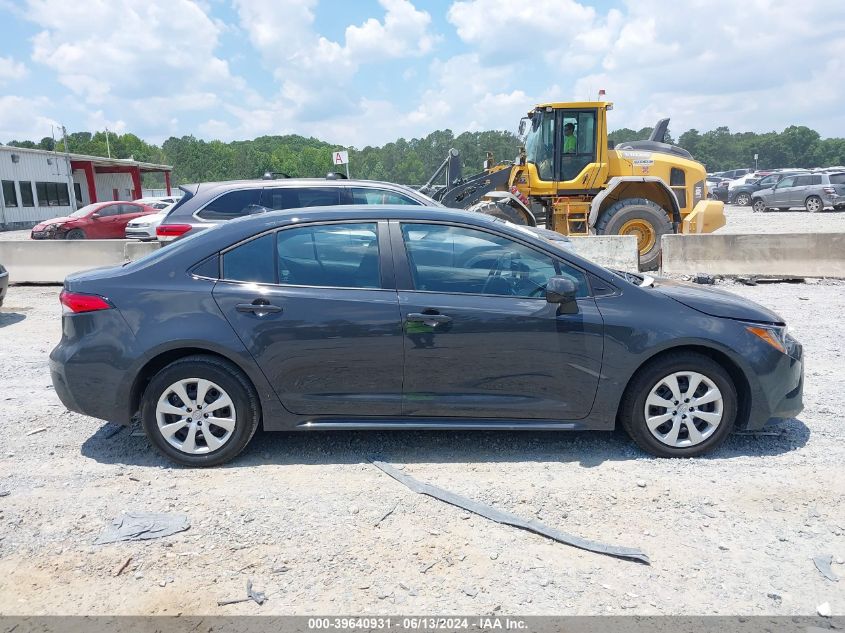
x=89 y=363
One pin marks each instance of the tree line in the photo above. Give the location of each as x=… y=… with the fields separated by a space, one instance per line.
x=413 y=161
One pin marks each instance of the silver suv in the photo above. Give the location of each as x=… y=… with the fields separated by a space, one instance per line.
x=206 y=204
x=813 y=191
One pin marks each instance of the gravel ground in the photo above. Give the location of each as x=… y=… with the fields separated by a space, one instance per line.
x=309 y=520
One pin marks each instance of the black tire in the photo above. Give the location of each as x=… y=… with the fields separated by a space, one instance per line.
x=500 y=210
x=743 y=199
x=613 y=219
x=75 y=234
x=232 y=381
x=758 y=206
x=632 y=407
x=814 y=204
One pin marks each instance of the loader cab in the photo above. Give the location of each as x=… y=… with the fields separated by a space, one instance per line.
x=567 y=144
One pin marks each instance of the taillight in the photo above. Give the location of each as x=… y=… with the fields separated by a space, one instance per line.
x=172 y=230
x=829 y=189
x=76 y=302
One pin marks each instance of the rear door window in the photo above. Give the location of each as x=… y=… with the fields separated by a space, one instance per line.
x=233 y=204
x=368 y=195
x=298 y=197
x=837 y=179
x=251 y=261
x=331 y=255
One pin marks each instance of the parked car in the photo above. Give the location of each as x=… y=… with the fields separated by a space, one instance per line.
x=144 y=227
x=101 y=220
x=4 y=284
x=206 y=204
x=732 y=174
x=719 y=191
x=814 y=192
x=159 y=202
x=410 y=317
x=742 y=194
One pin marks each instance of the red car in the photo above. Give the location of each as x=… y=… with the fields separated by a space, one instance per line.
x=101 y=220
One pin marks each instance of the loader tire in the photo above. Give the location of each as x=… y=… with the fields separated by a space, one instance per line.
x=642 y=218
x=500 y=210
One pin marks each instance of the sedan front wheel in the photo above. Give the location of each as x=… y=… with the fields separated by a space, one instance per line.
x=681 y=405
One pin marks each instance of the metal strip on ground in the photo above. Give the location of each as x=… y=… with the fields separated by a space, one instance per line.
x=507 y=518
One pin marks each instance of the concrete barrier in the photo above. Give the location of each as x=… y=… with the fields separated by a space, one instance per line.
x=50 y=261
x=611 y=251
x=767 y=254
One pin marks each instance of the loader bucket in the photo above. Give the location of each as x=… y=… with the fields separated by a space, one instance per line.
x=706 y=217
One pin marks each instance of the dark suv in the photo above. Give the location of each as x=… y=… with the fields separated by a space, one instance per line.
x=210 y=203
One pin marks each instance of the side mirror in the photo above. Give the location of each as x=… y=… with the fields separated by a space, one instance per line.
x=561 y=290
x=94 y=216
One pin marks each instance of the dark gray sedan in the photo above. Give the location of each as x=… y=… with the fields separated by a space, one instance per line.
x=410 y=318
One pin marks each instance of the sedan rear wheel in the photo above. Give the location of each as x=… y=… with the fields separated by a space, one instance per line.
x=680 y=406
x=200 y=411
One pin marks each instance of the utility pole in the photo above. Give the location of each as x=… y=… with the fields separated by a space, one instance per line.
x=108 y=147
x=71 y=193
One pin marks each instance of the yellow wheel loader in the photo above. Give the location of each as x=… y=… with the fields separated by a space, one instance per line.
x=569 y=179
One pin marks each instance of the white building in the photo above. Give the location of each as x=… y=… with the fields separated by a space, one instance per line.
x=38 y=184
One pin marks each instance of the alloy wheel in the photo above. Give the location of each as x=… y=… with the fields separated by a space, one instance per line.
x=684 y=409
x=195 y=416
x=759 y=206
x=814 y=205
x=743 y=199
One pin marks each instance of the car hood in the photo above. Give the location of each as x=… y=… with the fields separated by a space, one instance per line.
x=52 y=221
x=153 y=218
x=717 y=303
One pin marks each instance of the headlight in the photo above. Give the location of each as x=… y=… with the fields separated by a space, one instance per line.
x=774 y=335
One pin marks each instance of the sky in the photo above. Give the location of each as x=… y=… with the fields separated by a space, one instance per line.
x=366 y=72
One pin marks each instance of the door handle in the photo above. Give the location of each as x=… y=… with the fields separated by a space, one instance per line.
x=259 y=307
x=428 y=319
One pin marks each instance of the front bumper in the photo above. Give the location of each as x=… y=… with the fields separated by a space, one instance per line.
x=140 y=233
x=780 y=392
x=44 y=235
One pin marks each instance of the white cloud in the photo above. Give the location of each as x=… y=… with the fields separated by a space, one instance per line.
x=11 y=70
x=124 y=49
x=315 y=72
x=23 y=118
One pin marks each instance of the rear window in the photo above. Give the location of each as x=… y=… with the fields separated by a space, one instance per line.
x=837 y=179
x=232 y=205
x=299 y=197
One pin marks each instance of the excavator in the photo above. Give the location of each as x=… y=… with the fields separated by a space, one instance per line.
x=568 y=178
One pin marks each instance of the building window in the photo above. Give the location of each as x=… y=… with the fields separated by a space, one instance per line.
x=52 y=194
x=27 y=199
x=77 y=192
x=9 y=194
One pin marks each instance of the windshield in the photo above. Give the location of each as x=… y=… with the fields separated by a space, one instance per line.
x=540 y=142
x=81 y=213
